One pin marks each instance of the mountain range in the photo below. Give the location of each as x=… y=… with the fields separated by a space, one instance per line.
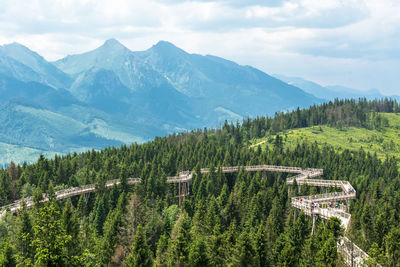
x=333 y=91
x=112 y=96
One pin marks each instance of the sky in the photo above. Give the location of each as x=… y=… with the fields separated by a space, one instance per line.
x=353 y=43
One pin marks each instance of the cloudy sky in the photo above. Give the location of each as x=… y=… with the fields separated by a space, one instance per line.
x=354 y=43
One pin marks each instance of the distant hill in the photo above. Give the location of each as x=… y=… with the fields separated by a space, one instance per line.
x=331 y=92
x=112 y=95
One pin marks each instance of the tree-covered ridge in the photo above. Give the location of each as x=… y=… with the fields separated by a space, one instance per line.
x=382 y=139
x=338 y=113
x=229 y=219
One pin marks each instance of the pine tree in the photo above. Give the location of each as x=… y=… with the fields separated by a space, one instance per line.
x=37 y=198
x=162 y=246
x=141 y=254
x=111 y=228
x=50 y=239
x=245 y=254
x=274 y=223
x=198 y=253
x=261 y=245
x=327 y=255
x=123 y=177
x=212 y=216
x=51 y=194
x=24 y=234
x=71 y=226
x=179 y=246
x=81 y=207
x=7 y=258
x=392 y=247
x=285 y=251
x=376 y=255
x=13 y=173
x=100 y=214
x=309 y=251
x=200 y=219
x=217 y=247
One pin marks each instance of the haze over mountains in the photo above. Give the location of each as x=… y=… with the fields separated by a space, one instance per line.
x=112 y=95
x=333 y=91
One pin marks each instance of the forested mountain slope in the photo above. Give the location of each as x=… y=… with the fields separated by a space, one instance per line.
x=380 y=136
x=241 y=219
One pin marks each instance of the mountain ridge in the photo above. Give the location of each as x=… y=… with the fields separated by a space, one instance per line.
x=48 y=73
x=123 y=96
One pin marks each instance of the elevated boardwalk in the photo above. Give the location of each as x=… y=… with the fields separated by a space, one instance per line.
x=65 y=193
x=352 y=254
x=314 y=205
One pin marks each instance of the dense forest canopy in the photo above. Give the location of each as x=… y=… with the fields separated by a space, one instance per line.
x=238 y=219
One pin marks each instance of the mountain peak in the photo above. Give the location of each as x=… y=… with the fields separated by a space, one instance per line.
x=14 y=46
x=20 y=52
x=165 y=46
x=163 y=43
x=113 y=43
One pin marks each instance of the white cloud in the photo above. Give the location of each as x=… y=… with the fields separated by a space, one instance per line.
x=350 y=42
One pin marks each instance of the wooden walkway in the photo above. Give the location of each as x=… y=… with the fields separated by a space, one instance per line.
x=62 y=194
x=321 y=205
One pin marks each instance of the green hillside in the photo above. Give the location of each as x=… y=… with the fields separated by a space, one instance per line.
x=383 y=141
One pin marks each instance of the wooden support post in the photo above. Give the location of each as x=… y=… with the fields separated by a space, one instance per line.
x=179 y=193
x=295 y=215
x=314 y=224
x=352 y=255
x=87 y=195
x=183 y=191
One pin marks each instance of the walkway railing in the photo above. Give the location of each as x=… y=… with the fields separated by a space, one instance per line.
x=65 y=193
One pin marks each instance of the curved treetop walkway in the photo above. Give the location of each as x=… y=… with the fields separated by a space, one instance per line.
x=322 y=205
x=62 y=194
